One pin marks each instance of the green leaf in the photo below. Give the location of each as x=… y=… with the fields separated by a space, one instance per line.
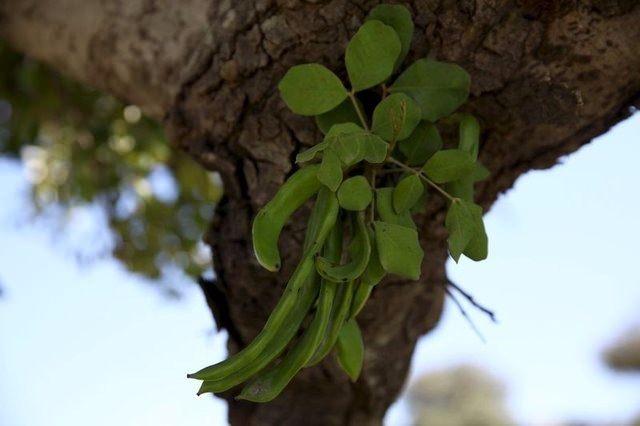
x=351 y=349
x=341 y=140
x=461 y=188
x=463 y=222
x=395 y=117
x=407 y=193
x=375 y=149
x=371 y=55
x=421 y=205
x=330 y=171
x=397 y=17
x=448 y=165
x=439 y=88
x=478 y=247
x=421 y=144
x=311 y=153
x=311 y=89
x=399 y=250
x=359 y=145
x=343 y=113
x=355 y=193
x=342 y=129
x=480 y=172
x=349 y=147
x=469 y=135
x=384 y=207
x=464 y=187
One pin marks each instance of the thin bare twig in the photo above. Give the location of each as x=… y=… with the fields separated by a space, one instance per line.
x=473 y=302
x=465 y=315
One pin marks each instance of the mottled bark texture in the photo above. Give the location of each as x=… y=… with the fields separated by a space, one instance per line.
x=548 y=76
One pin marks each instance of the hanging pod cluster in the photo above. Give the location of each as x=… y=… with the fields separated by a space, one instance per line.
x=358 y=231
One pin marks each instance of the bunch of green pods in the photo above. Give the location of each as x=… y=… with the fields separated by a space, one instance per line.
x=367 y=178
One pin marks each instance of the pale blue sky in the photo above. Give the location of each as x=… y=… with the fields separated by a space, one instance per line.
x=90 y=344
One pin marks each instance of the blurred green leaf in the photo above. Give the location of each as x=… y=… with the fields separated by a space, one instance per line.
x=469 y=135
x=79 y=146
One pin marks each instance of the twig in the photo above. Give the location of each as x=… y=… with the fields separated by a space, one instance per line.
x=465 y=315
x=356 y=106
x=473 y=302
x=421 y=176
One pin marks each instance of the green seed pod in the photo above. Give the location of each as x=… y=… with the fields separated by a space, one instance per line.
x=322 y=220
x=359 y=250
x=384 y=204
x=268 y=385
x=372 y=275
x=339 y=314
x=270 y=220
x=307 y=296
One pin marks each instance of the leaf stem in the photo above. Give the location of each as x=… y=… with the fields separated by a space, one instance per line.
x=423 y=177
x=372 y=172
x=385 y=91
x=363 y=120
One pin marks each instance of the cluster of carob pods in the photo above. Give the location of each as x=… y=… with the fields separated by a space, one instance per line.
x=358 y=233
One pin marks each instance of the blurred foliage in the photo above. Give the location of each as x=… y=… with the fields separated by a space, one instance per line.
x=79 y=146
x=625 y=354
x=459 y=396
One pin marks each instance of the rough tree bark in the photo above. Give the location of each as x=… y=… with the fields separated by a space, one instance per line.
x=548 y=76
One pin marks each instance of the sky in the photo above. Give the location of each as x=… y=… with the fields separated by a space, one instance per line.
x=88 y=343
